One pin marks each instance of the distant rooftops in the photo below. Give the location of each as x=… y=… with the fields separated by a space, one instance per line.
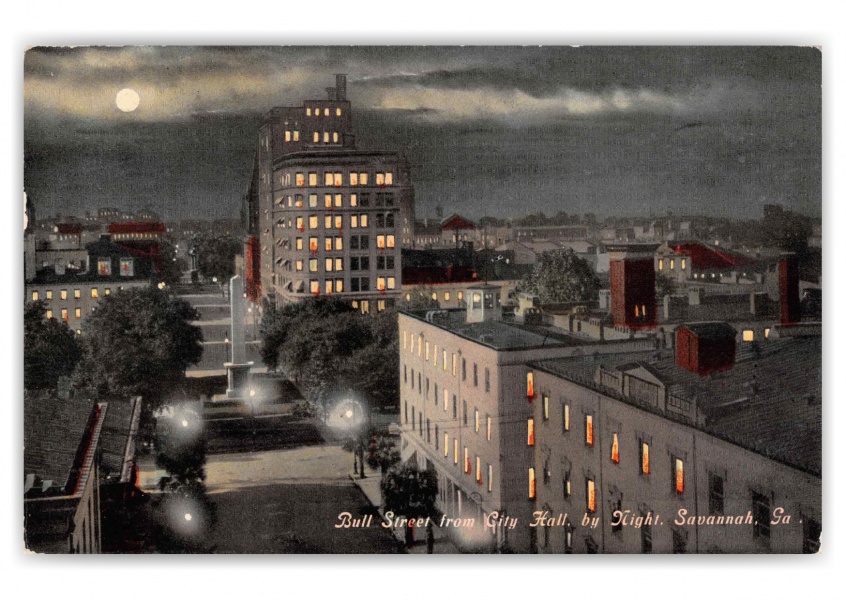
x=137 y=227
x=704 y=257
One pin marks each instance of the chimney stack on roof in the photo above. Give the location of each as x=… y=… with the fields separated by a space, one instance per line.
x=340 y=87
x=788 y=289
x=704 y=348
x=633 y=303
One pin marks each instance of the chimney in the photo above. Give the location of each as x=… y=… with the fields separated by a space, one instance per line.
x=340 y=87
x=632 y=271
x=704 y=348
x=788 y=289
x=331 y=93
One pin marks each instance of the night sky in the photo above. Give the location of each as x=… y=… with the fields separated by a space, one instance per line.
x=488 y=131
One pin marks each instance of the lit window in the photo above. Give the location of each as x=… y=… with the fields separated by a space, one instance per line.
x=63 y=294
x=476 y=419
x=660 y=264
x=327 y=244
x=362 y=177
x=455 y=451
x=380 y=179
x=530 y=385
x=390 y=241
x=312 y=244
x=446 y=399
x=94 y=293
x=446 y=445
x=380 y=242
x=108 y=291
x=488 y=419
x=683 y=263
x=299 y=265
x=566 y=484
x=314 y=286
x=312 y=265
x=339 y=243
x=566 y=417
x=427 y=351
x=546 y=407
x=326 y=136
x=127 y=267
x=615 y=449
x=460 y=296
x=748 y=335
x=434 y=295
x=531 y=432
x=337 y=112
x=389 y=178
x=34 y=296
x=308 y=112
x=644 y=458
x=589 y=430
x=296 y=136
x=49 y=314
x=672 y=264
x=380 y=283
x=339 y=222
x=767 y=333
x=446 y=295
x=392 y=283
x=404 y=339
x=335 y=137
x=353 y=221
x=591 y=495
x=313 y=222
x=104 y=266
x=328 y=286
x=316 y=137
x=328 y=264
x=353 y=179
x=531 y=483
x=312 y=178
x=287 y=136
x=65 y=315
x=300 y=179
x=327 y=178
x=353 y=199
x=490 y=478
x=327 y=219
x=325 y=112
x=339 y=199
x=678 y=479
x=363 y=220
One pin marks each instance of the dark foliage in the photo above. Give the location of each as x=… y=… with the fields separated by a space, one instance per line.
x=51 y=349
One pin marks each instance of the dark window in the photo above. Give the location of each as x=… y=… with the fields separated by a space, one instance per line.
x=389 y=262
x=380 y=220
x=364 y=242
x=761 y=516
x=463 y=369
x=715 y=494
x=475 y=375
x=406 y=410
x=454 y=407
x=354 y=242
x=354 y=286
x=365 y=284
x=353 y=263
x=364 y=200
x=811 y=531
x=437 y=438
x=464 y=411
x=389 y=220
x=487 y=379
x=566 y=484
x=679 y=542
x=646 y=537
x=617 y=520
x=364 y=261
x=380 y=263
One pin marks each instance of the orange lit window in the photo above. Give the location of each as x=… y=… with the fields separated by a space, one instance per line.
x=78 y=313
x=34 y=296
x=312 y=244
x=637 y=310
x=591 y=495
x=296 y=136
x=476 y=419
x=49 y=314
x=478 y=470
x=489 y=428
x=679 y=476
x=316 y=137
x=531 y=437
x=287 y=136
x=589 y=430
x=545 y=407
x=380 y=179
x=644 y=458
x=615 y=449
x=531 y=483
x=308 y=112
x=390 y=241
x=389 y=178
x=446 y=445
x=530 y=385
x=65 y=315
x=468 y=468
x=380 y=242
x=335 y=137
x=312 y=178
x=362 y=177
x=327 y=244
x=427 y=351
x=325 y=112
x=94 y=293
x=353 y=178
x=490 y=478
x=338 y=112
x=300 y=179
x=566 y=417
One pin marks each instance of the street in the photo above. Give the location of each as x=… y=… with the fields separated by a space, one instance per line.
x=283 y=500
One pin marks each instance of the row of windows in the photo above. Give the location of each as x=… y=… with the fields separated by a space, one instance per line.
x=63 y=294
x=64 y=313
x=446 y=296
x=464 y=413
x=316 y=111
x=336 y=178
x=357 y=284
x=417 y=425
x=672 y=264
x=358 y=221
x=408 y=344
x=333 y=201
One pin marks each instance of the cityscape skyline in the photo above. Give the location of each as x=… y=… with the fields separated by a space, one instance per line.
x=714 y=131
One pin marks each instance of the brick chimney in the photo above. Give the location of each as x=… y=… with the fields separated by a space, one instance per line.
x=633 y=302
x=704 y=348
x=788 y=289
x=340 y=87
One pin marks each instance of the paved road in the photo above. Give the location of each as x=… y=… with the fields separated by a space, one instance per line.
x=285 y=501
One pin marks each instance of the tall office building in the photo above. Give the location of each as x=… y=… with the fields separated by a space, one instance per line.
x=323 y=217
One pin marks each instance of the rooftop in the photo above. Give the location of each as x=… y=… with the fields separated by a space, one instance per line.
x=500 y=335
x=769 y=402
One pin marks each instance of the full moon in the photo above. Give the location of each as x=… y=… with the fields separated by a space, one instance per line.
x=127 y=100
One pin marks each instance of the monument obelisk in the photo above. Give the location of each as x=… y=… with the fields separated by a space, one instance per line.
x=238 y=370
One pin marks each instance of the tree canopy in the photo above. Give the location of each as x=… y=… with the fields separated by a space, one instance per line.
x=51 y=349
x=327 y=347
x=138 y=342
x=216 y=255
x=561 y=276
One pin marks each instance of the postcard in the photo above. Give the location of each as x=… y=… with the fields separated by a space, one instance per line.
x=423 y=300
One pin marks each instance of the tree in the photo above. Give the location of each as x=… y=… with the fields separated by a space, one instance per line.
x=561 y=276
x=216 y=255
x=382 y=453
x=138 y=342
x=172 y=267
x=409 y=492
x=51 y=349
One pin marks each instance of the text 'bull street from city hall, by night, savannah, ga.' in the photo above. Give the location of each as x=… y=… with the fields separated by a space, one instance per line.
x=421 y=379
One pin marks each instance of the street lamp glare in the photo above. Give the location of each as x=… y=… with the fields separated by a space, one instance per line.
x=188 y=516
x=349 y=414
x=185 y=422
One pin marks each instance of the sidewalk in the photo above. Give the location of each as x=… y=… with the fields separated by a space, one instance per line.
x=370 y=488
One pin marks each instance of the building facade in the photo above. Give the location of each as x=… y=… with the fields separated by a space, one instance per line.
x=326 y=218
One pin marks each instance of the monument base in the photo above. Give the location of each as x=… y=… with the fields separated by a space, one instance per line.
x=237 y=379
